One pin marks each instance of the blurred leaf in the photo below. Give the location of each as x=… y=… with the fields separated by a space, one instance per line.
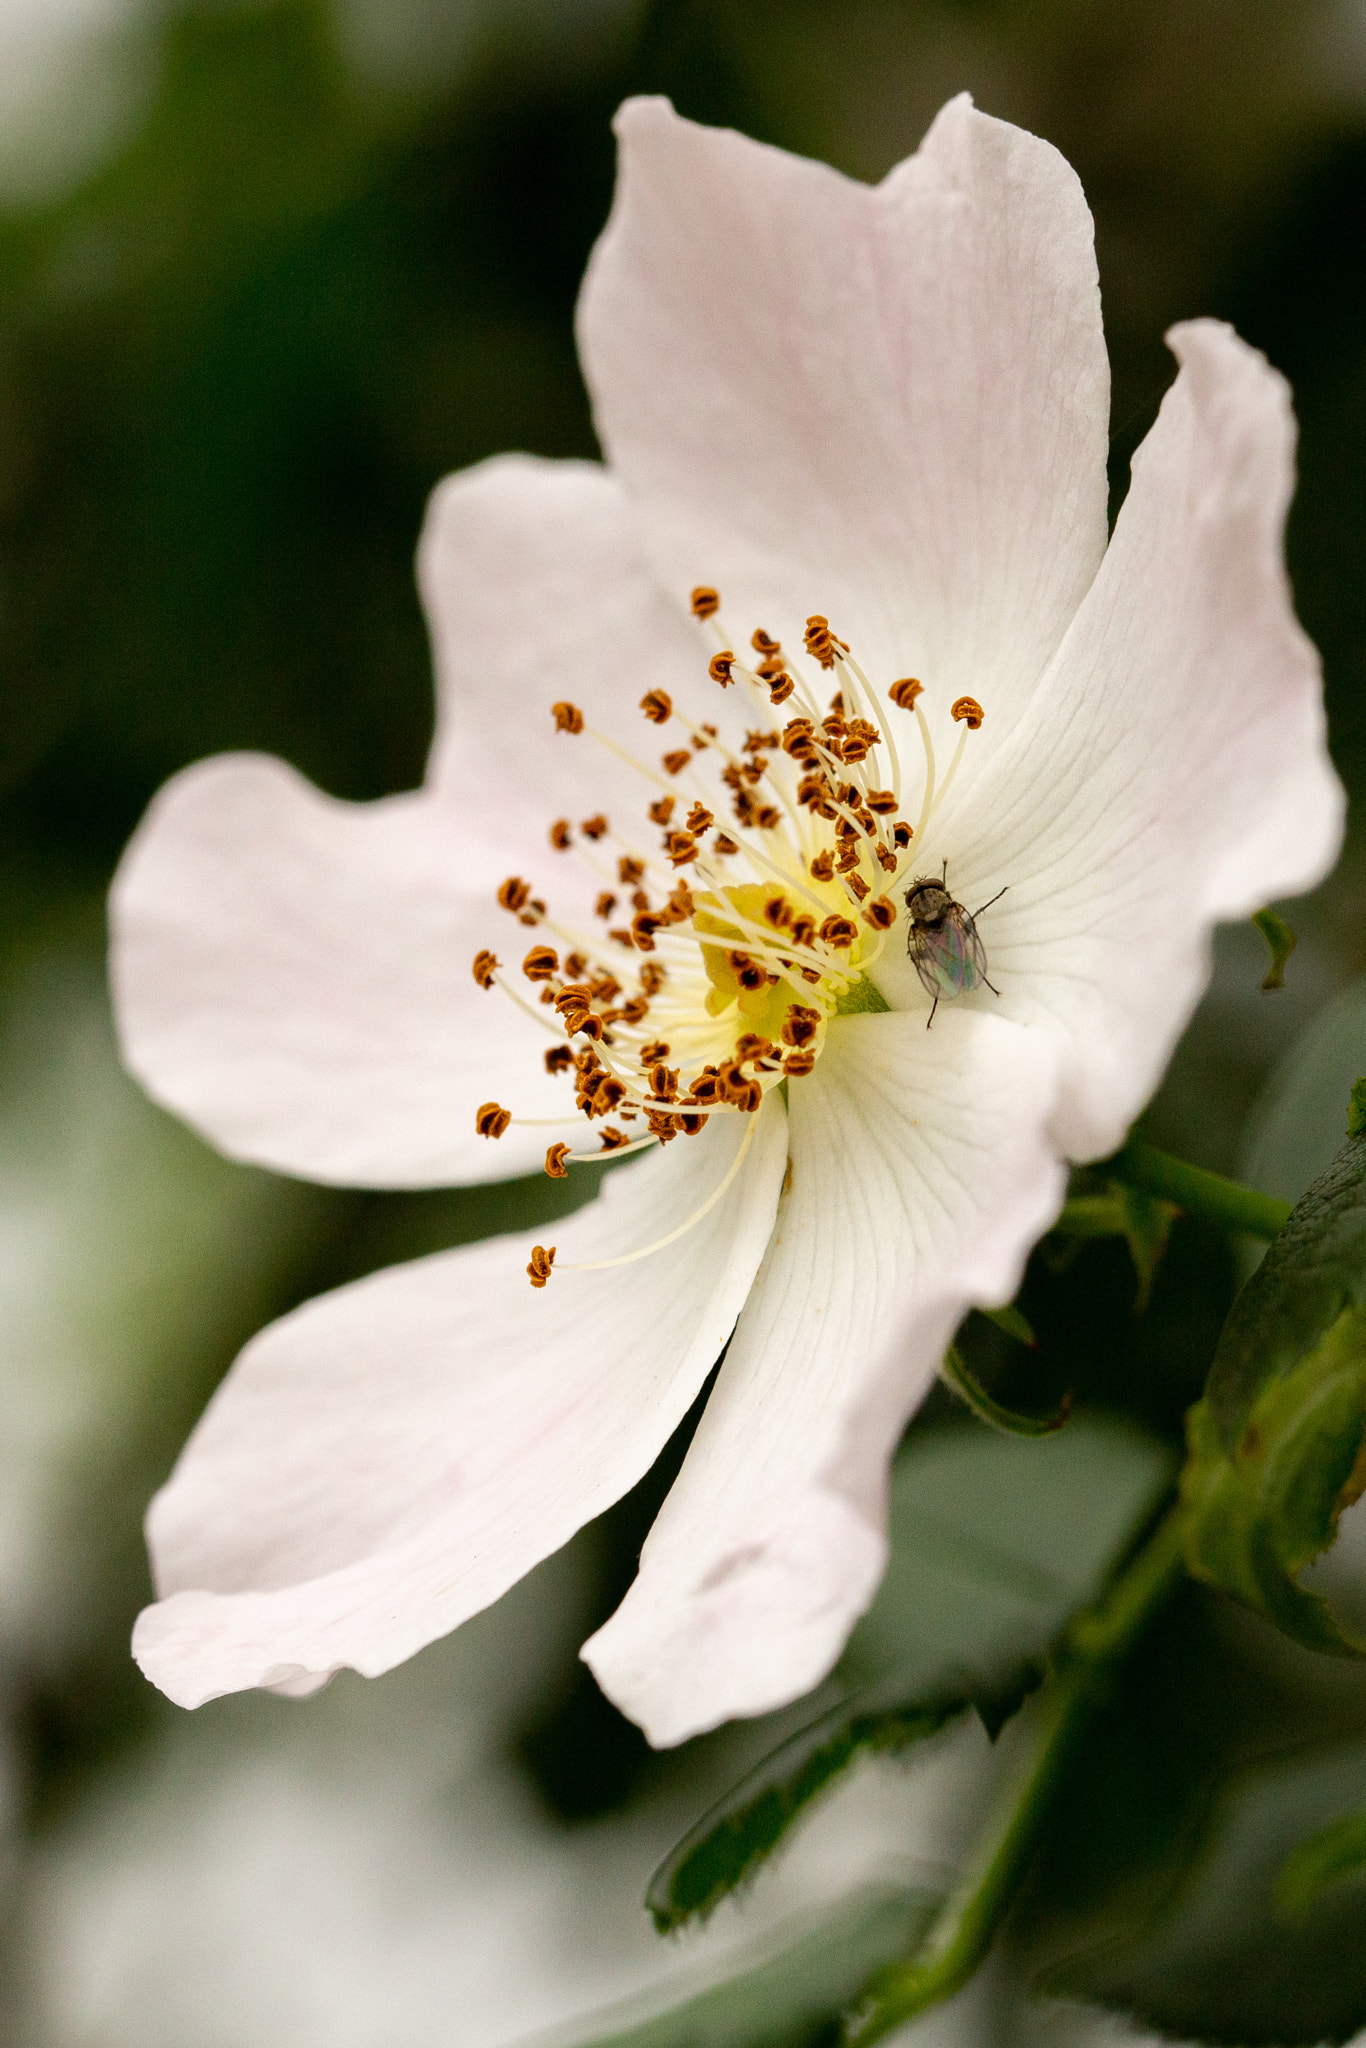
x=1296 y=1127
x=1281 y=942
x=995 y=1542
x=1275 y=1447
x=1336 y=1853
x=1144 y=1221
x=794 y=1995
x=1013 y=1323
x=730 y=1841
x=955 y=1373
x=1215 y=1957
x=1356 y=1108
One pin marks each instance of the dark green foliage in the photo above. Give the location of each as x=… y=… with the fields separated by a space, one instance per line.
x=792 y=1995
x=995 y=1543
x=1276 y=1444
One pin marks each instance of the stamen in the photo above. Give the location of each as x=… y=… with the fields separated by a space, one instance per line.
x=539 y=1265
x=629 y=1258
x=491 y=1120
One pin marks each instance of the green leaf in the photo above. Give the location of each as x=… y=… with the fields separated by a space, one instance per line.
x=1215 y=1956
x=956 y=1374
x=1014 y=1324
x=1356 y=1108
x=793 y=1993
x=1281 y=942
x=1295 y=1129
x=994 y=1543
x=1336 y=1853
x=730 y=1841
x=1143 y=1220
x=1276 y=1445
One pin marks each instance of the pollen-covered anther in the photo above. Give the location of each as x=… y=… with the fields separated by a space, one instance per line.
x=681 y=847
x=486 y=965
x=539 y=1264
x=705 y=601
x=556 y=1160
x=491 y=1119
x=720 y=668
x=904 y=693
x=778 y=912
x=595 y=827
x=821 y=644
x=613 y=1139
x=798 y=1063
x=561 y=836
x=699 y=820
x=859 y=739
x=605 y=904
x=724 y=844
x=880 y=914
x=802 y=1024
x=677 y=761
x=664 y=1082
x=644 y=925
x=838 y=932
x=740 y=1089
x=630 y=871
x=802 y=929
x=747 y=971
x=568 y=718
x=822 y=866
x=881 y=801
x=658 y=706
x=780 y=687
x=573 y=1002
x=541 y=963
x=968 y=712
x=662 y=810
x=514 y=893
x=858 y=885
x=558 y=1059
x=764 y=643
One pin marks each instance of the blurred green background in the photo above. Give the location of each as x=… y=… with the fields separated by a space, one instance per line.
x=266 y=273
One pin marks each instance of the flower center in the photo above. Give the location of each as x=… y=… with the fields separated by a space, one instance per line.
x=749 y=911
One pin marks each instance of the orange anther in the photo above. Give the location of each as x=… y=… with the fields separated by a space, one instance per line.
x=568 y=718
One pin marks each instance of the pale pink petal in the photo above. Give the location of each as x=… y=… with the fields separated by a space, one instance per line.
x=292 y=974
x=888 y=404
x=1174 y=769
x=920 y=1178
x=388 y=1459
x=535 y=589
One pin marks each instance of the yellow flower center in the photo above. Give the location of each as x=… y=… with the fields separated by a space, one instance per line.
x=749 y=912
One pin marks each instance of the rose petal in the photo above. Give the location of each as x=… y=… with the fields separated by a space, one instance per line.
x=920 y=1179
x=388 y=1459
x=292 y=976
x=535 y=590
x=1174 y=769
x=888 y=404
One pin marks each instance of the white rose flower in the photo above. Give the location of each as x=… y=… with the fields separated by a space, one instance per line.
x=874 y=420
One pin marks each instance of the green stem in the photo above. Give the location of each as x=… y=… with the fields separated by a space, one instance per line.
x=968 y=1922
x=1197 y=1192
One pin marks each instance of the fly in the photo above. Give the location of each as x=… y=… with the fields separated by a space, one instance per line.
x=944 y=942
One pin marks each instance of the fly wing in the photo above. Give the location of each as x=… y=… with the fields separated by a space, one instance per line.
x=952 y=960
